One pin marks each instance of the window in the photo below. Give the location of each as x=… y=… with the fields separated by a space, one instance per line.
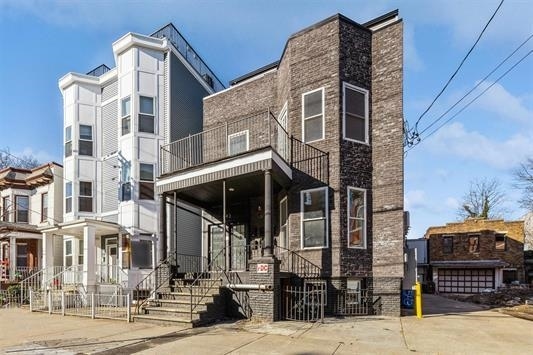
x=141 y=254
x=238 y=142
x=473 y=244
x=21 y=209
x=68 y=197
x=313 y=115
x=355 y=120
x=44 y=207
x=146 y=114
x=314 y=208
x=86 y=140
x=68 y=253
x=146 y=184
x=5 y=209
x=80 y=251
x=356 y=218
x=509 y=275
x=283 y=217
x=68 y=141
x=125 y=113
x=500 y=242
x=125 y=183
x=22 y=255
x=447 y=244
x=85 y=200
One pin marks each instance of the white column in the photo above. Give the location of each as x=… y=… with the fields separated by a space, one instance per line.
x=89 y=258
x=47 y=260
x=119 y=250
x=12 y=256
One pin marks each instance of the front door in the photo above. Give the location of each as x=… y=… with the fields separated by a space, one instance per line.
x=216 y=246
x=110 y=263
x=239 y=250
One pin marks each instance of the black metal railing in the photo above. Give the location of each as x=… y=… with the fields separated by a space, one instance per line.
x=184 y=48
x=99 y=70
x=292 y=262
x=304 y=303
x=353 y=302
x=309 y=160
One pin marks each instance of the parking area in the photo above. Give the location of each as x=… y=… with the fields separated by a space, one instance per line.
x=448 y=327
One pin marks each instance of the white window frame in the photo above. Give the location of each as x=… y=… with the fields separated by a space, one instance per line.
x=68 y=140
x=86 y=140
x=18 y=207
x=363 y=91
x=307 y=118
x=123 y=117
x=146 y=114
x=65 y=255
x=152 y=181
x=363 y=246
x=230 y=136
x=326 y=236
x=86 y=196
x=69 y=197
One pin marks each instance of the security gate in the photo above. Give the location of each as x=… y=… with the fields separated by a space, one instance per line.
x=353 y=302
x=304 y=303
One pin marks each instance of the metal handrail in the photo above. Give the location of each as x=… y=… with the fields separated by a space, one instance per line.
x=202 y=276
x=35 y=281
x=153 y=282
x=296 y=264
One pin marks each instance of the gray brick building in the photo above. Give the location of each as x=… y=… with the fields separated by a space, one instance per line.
x=297 y=173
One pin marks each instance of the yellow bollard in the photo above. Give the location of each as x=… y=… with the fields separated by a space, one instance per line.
x=418 y=299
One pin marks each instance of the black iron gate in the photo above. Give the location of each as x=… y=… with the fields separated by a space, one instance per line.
x=304 y=303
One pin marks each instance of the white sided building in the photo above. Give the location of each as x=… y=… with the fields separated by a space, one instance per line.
x=115 y=121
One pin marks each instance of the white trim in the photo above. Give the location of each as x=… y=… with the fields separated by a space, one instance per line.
x=241 y=160
x=323 y=114
x=363 y=246
x=326 y=236
x=365 y=92
x=245 y=133
x=383 y=24
x=284 y=199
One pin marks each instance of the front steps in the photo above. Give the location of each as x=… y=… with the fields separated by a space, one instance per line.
x=172 y=305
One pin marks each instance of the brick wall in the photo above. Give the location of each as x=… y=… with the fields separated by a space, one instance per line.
x=265 y=304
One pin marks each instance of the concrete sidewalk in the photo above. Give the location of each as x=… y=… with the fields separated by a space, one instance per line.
x=453 y=327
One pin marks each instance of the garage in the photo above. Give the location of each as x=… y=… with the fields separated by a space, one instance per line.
x=465 y=280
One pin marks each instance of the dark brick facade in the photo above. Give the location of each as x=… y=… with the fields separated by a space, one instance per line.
x=324 y=56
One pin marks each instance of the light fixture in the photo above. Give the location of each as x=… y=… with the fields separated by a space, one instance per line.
x=231 y=189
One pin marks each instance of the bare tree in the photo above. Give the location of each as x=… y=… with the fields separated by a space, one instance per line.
x=524 y=181
x=9 y=160
x=483 y=200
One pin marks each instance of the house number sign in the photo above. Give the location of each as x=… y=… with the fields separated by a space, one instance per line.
x=262 y=268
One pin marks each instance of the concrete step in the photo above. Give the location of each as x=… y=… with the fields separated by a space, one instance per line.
x=198 y=282
x=184 y=322
x=175 y=312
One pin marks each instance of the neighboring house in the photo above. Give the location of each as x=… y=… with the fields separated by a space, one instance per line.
x=477 y=254
x=115 y=121
x=29 y=199
x=301 y=159
x=528 y=247
x=421 y=253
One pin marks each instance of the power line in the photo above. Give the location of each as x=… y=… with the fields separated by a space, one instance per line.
x=471 y=101
x=476 y=86
x=457 y=70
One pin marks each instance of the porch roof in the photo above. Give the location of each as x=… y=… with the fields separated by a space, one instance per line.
x=252 y=162
x=75 y=228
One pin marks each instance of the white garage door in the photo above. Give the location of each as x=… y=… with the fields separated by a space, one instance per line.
x=465 y=280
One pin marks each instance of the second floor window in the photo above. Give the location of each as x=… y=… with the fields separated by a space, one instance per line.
x=473 y=244
x=5 y=209
x=125 y=183
x=146 y=184
x=447 y=244
x=44 y=207
x=355 y=113
x=22 y=208
x=313 y=115
x=86 y=140
x=125 y=115
x=85 y=200
x=314 y=208
x=146 y=114
x=68 y=197
x=68 y=141
x=500 y=242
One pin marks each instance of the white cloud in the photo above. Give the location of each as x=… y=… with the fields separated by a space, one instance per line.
x=455 y=139
x=413 y=61
x=452 y=203
x=504 y=104
x=415 y=199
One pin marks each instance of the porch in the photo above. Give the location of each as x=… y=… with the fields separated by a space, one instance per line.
x=20 y=246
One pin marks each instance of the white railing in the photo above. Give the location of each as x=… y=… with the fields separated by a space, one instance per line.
x=92 y=305
x=38 y=280
x=111 y=274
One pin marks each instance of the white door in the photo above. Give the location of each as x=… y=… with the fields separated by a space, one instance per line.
x=111 y=254
x=283 y=138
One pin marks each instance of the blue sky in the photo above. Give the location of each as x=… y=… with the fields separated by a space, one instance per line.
x=40 y=41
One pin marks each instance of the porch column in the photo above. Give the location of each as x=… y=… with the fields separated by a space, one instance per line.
x=162 y=250
x=48 y=251
x=12 y=256
x=268 y=213
x=89 y=258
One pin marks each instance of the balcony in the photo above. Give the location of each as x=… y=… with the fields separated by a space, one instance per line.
x=241 y=145
x=184 y=48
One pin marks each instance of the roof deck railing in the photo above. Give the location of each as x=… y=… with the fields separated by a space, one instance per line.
x=184 y=48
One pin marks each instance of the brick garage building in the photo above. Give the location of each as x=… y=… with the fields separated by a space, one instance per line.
x=469 y=256
x=304 y=157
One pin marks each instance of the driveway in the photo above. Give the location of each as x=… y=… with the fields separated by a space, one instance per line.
x=449 y=327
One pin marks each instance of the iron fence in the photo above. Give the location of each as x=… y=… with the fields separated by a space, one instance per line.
x=9 y=298
x=353 y=302
x=304 y=303
x=109 y=306
x=187 y=263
